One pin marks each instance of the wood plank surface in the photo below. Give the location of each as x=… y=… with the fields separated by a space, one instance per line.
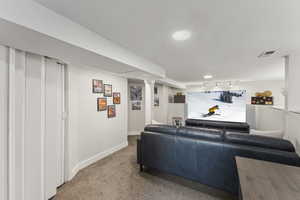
x=261 y=180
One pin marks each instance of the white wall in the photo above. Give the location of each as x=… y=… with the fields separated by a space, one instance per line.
x=161 y=113
x=293 y=114
x=265 y=117
x=177 y=110
x=275 y=86
x=136 y=118
x=91 y=134
x=292 y=129
x=293 y=82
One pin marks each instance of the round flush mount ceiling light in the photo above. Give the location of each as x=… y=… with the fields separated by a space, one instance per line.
x=207 y=76
x=181 y=35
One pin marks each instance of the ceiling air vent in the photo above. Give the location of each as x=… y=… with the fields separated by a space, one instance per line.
x=266 y=53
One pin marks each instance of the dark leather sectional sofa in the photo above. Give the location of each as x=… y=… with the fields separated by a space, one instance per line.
x=207 y=155
x=240 y=127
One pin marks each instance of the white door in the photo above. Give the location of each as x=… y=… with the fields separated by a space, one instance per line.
x=35 y=124
x=54 y=127
x=3 y=121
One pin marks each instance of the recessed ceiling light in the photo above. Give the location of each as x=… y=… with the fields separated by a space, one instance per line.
x=181 y=35
x=207 y=76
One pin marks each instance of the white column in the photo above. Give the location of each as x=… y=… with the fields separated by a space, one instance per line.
x=149 y=95
x=286 y=86
x=164 y=103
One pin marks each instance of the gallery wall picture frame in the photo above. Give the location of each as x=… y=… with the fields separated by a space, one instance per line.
x=136 y=105
x=107 y=90
x=111 y=111
x=156 y=96
x=101 y=104
x=98 y=86
x=136 y=93
x=117 y=98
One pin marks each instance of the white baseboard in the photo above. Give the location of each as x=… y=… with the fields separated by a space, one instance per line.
x=134 y=132
x=95 y=158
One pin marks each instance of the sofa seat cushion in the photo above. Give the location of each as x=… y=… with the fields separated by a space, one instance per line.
x=161 y=128
x=259 y=141
x=201 y=133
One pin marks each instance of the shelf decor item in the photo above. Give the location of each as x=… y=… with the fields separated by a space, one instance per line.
x=179 y=98
x=107 y=90
x=262 y=101
x=101 y=104
x=262 y=98
x=98 y=86
x=116 y=98
x=111 y=111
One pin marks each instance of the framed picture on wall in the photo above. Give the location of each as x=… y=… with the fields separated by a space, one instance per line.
x=107 y=90
x=101 y=104
x=111 y=111
x=136 y=93
x=98 y=86
x=116 y=98
x=156 y=97
x=136 y=105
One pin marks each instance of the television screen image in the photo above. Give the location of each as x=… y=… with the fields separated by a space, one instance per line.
x=217 y=105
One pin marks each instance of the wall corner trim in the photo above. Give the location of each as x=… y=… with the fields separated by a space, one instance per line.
x=83 y=164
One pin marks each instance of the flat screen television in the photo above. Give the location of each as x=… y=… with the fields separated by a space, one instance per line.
x=217 y=105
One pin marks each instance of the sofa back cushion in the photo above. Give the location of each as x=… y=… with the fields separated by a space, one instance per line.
x=259 y=141
x=233 y=126
x=161 y=128
x=201 y=133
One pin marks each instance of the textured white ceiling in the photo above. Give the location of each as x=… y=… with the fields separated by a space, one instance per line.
x=227 y=36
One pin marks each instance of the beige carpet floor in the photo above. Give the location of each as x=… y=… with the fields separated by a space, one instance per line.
x=117 y=177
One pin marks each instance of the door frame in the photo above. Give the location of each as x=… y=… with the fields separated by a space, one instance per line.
x=67 y=95
x=63 y=124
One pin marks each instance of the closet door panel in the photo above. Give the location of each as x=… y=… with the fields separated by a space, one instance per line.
x=61 y=127
x=53 y=127
x=33 y=140
x=19 y=122
x=36 y=112
x=3 y=121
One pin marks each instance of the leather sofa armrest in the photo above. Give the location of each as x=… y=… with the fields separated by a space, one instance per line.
x=260 y=153
x=259 y=141
x=138 y=150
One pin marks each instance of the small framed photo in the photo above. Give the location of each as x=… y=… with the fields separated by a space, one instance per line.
x=107 y=90
x=101 y=104
x=136 y=105
x=111 y=111
x=116 y=98
x=98 y=86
